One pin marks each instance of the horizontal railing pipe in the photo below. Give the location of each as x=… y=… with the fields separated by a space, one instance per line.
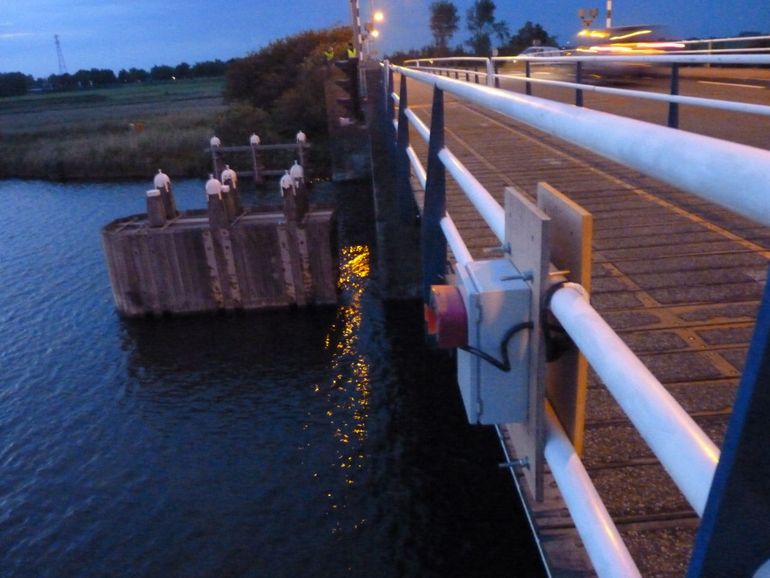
x=744 y=107
x=421 y=127
x=447 y=59
x=489 y=209
x=419 y=170
x=684 y=450
x=732 y=175
x=746 y=59
x=455 y=242
x=605 y=547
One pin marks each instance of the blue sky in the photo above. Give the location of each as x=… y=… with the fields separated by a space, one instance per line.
x=142 y=33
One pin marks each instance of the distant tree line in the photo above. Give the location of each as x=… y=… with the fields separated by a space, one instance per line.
x=18 y=84
x=485 y=31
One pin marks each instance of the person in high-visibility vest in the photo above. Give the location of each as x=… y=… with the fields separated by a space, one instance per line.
x=329 y=54
x=353 y=75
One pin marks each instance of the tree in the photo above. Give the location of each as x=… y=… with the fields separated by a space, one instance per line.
x=209 y=69
x=279 y=90
x=262 y=77
x=482 y=25
x=528 y=35
x=183 y=70
x=163 y=72
x=13 y=84
x=443 y=23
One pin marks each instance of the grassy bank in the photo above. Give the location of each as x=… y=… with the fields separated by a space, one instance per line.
x=114 y=133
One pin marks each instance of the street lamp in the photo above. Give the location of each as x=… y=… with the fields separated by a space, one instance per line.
x=371 y=32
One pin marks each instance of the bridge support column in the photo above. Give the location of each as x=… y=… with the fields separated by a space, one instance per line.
x=395 y=210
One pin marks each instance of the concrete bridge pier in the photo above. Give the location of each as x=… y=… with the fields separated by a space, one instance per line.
x=397 y=227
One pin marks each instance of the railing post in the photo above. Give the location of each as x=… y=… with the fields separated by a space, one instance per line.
x=578 y=80
x=433 y=242
x=732 y=537
x=491 y=78
x=527 y=73
x=497 y=80
x=403 y=166
x=673 y=107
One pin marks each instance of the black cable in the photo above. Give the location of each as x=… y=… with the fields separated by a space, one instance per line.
x=505 y=364
x=555 y=345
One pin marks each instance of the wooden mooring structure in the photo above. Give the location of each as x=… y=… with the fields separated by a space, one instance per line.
x=225 y=257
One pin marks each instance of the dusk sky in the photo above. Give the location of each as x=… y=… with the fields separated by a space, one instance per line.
x=119 y=34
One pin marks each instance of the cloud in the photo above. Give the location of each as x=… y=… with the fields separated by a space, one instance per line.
x=14 y=35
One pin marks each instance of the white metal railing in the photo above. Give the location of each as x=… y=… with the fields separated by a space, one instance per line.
x=602 y=540
x=709 y=42
x=713 y=166
x=684 y=450
x=495 y=72
x=704 y=166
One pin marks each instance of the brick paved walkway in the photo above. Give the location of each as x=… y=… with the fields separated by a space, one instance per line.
x=678 y=278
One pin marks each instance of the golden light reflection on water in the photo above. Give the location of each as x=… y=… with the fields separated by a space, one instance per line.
x=348 y=394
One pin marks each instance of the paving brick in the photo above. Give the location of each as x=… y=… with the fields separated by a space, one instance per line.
x=726 y=335
x=681 y=366
x=708 y=293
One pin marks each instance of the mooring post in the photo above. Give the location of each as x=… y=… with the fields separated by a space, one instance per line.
x=255 y=159
x=433 y=242
x=217 y=163
x=228 y=201
x=297 y=174
x=229 y=178
x=217 y=210
x=301 y=144
x=162 y=183
x=288 y=194
x=156 y=212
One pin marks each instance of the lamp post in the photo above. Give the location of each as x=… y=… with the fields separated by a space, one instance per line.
x=372 y=33
x=609 y=14
x=356 y=13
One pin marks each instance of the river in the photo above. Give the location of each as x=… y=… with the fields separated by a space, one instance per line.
x=319 y=443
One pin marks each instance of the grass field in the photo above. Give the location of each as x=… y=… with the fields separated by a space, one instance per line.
x=112 y=133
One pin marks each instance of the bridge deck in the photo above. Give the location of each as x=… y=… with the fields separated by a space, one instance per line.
x=678 y=278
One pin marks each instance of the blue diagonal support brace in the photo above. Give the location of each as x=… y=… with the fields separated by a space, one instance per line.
x=434 y=246
x=406 y=204
x=734 y=534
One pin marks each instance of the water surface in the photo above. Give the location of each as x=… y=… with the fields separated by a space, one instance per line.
x=324 y=442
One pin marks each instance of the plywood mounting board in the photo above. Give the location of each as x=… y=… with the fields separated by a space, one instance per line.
x=570 y=250
x=527 y=235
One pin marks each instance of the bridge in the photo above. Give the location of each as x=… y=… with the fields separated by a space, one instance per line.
x=563 y=222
